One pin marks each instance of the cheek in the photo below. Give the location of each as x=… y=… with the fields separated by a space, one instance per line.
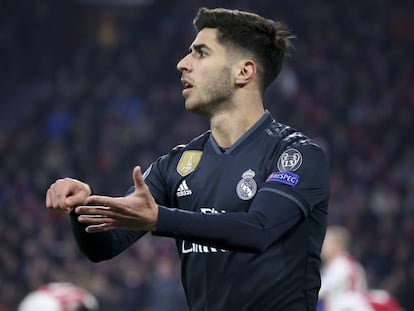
x=204 y=81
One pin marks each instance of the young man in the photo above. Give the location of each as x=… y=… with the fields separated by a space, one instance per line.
x=344 y=283
x=59 y=297
x=246 y=201
x=341 y=273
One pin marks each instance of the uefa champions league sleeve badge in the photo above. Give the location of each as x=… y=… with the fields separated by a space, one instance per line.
x=290 y=160
x=246 y=188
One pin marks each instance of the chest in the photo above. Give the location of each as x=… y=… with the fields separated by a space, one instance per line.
x=222 y=183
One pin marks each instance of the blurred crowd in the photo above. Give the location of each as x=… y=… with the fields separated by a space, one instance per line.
x=89 y=91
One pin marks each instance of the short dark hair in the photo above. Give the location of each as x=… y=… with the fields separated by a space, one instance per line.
x=268 y=41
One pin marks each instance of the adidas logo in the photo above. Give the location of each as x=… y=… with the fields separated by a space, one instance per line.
x=183 y=189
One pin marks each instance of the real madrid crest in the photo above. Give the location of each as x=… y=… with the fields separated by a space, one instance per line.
x=246 y=188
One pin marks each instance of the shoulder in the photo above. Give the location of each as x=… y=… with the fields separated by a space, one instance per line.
x=292 y=146
x=301 y=157
x=286 y=135
x=196 y=143
x=344 y=263
x=181 y=160
x=292 y=142
x=303 y=149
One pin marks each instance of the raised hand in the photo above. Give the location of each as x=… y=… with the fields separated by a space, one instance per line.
x=67 y=193
x=137 y=211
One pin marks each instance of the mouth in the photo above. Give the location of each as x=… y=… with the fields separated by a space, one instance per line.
x=186 y=83
x=187 y=86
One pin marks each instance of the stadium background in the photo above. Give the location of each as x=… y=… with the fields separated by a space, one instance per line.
x=89 y=89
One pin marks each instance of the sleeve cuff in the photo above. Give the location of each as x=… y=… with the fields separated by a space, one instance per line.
x=168 y=221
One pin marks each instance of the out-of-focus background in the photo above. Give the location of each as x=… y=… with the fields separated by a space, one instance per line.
x=88 y=89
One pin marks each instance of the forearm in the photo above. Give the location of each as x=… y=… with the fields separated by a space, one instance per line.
x=102 y=245
x=252 y=231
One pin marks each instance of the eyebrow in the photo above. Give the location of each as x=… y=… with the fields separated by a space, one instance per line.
x=198 y=47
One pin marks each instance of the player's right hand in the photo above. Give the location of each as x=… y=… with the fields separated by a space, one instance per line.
x=67 y=193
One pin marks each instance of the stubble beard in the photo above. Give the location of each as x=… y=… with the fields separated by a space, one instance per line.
x=216 y=96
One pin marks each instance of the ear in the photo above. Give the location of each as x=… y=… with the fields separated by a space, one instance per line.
x=245 y=72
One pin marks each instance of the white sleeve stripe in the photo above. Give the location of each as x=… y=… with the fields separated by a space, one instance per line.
x=288 y=196
x=147 y=171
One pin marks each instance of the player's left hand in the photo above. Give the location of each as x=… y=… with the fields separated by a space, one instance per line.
x=137 y=211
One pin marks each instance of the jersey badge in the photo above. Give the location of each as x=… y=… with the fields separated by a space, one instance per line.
x=289 y=161
x=287 y=178
x=188 y=162
x=246 y=188
x=183 y=189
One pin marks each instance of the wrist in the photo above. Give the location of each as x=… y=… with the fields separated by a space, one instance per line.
x=154 y=219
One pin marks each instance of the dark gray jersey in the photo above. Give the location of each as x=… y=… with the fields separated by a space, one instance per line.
x=248 y=221
x=231 y=259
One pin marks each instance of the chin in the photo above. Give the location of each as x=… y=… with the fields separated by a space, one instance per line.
x=200 y=109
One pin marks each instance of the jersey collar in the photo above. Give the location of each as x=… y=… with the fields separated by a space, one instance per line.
x=262 y=123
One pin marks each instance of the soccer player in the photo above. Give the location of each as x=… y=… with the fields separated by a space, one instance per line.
x=344 y=283
x=59 y=297
x=246 y=201
x=341 y=273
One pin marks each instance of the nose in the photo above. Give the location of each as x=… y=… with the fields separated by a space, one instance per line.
x=183 y=64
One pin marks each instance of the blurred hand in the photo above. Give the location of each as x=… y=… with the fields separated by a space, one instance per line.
x=67 y=193
x=137 y=211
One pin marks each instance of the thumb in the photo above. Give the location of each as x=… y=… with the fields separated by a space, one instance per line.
x=77 y=193
x=137 y=177
x=76 y=199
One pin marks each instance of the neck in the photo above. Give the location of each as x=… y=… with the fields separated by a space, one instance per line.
x=229 y=125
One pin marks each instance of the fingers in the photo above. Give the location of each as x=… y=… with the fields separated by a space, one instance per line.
x=49 y=202
x=140 y=186
x=101 y=200
x=138 y=178
x=48 y=199
x=100 y=207
x=96 y=223
x=98 y=228
x=51 y=197
x=56 y=196
x=94 y=219
x=98 y=218
x=78 y=192
x=96 y=211
x=66 y=193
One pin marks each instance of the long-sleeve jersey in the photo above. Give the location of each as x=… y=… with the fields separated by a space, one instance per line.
x=248 y=221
